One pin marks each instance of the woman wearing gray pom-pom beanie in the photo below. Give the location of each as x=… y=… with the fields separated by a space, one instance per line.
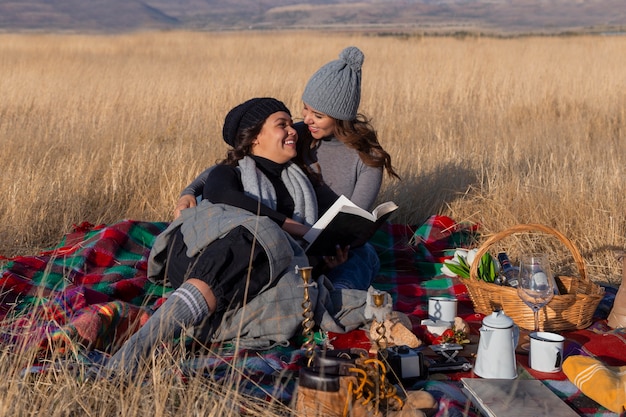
x=341 y=152
x=343 y=147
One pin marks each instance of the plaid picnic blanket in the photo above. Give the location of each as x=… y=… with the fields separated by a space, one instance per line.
x=86 y=291
x=411 y=260
x=597 y=341
x=91 y=290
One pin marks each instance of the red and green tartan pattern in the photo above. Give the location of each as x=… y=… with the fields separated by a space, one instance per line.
x=411 y=260
x=91 y=290
x=89 y=287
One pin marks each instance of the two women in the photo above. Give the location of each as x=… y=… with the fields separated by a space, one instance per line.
x=340 y=151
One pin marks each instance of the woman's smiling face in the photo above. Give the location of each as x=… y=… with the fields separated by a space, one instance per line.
x=320 y=125
x=277 y=139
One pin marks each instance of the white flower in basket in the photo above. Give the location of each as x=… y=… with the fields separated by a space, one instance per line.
x=459 y=265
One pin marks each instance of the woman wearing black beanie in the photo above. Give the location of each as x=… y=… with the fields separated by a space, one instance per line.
x=218 y=256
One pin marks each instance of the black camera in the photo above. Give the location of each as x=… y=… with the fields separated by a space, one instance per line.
x=405 y=364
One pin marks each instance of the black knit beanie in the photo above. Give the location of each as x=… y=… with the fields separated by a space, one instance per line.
x=248 y=114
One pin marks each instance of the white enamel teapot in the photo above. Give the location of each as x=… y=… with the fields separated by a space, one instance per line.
x=496 y=347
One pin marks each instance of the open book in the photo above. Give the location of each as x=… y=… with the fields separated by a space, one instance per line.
x=344 y=223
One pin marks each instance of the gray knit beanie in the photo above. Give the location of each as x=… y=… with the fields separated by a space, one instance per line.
x=248 y=114
x=335 y=89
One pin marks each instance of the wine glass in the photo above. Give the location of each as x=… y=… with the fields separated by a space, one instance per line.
x=536 y=286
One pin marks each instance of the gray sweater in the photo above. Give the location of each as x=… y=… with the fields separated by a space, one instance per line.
x=345 y=173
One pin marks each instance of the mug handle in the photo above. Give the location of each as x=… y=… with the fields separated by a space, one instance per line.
x=559 y=358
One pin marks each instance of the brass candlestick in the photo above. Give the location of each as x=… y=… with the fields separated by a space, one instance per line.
x=378 y=299
x=307 y=314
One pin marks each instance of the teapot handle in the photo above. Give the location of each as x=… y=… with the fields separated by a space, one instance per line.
x=515 y=336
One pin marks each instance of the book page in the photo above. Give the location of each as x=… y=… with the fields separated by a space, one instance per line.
x=341 y=204
x=384 y=208
x=349 y=225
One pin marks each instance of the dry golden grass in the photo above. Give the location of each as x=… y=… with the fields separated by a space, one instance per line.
x=494 y=131
x=63 y=390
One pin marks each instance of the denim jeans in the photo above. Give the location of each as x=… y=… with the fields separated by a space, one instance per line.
x=358 y=271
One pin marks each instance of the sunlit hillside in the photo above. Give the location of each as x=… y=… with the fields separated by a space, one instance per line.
x=428 y=16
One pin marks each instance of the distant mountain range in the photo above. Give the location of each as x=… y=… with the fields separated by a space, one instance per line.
x=488 y=16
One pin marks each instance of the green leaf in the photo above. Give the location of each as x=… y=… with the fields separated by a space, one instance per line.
x=458 y=269
x=481 y=269
x=486 y=270
x=463 y=262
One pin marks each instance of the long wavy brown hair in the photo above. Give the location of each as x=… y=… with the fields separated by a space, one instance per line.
x=358 y=134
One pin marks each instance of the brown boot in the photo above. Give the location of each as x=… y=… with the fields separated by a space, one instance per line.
x=346 y=383
x=330 y=395
x=339 y=361
x=617 y=316
x=407 y=412
x=417 y=404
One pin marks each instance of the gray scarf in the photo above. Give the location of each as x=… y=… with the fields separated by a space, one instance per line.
x=257 y=185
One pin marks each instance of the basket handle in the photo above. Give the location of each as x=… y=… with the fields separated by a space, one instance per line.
x=528 y=228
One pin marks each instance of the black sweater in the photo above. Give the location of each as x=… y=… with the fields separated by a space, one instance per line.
x=224 y=185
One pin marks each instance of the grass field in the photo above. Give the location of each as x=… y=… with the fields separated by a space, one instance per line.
x=493 y=131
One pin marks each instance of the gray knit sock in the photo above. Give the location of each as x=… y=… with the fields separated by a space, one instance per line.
x=185 y=307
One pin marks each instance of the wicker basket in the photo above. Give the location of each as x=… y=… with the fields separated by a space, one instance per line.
x=572 y=309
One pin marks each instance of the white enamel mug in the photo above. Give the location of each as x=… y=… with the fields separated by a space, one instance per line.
x=546 y=351
x=442 y=309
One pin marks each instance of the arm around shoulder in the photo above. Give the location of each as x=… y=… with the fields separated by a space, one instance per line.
x=197 y=185
x=189 y=194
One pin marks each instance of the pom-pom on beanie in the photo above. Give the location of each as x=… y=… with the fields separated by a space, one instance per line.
x=335 y=89
x=248 y=114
